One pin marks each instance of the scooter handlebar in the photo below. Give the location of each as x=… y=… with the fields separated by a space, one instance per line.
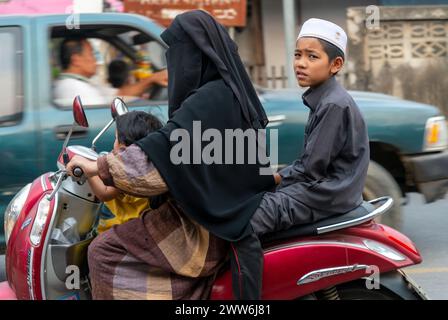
x=77 y=172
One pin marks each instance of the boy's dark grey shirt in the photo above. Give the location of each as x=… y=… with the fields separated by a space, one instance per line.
x=329 y=176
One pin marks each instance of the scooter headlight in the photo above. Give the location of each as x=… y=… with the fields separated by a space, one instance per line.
x=39 y=222
x=13 y=210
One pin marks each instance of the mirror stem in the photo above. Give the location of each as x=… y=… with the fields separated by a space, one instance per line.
x=101 y=133
x=64 y=147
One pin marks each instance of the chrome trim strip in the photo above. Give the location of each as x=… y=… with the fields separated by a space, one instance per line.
x=30 y=274
x=317 y=275
x=346 y=224
x=312 y=243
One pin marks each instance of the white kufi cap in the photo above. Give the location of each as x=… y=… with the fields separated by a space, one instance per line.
x=325 y=30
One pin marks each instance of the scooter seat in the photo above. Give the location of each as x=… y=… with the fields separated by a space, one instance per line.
x=363 y=213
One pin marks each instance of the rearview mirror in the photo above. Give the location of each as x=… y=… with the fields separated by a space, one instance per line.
x=80 y=119
x=79 y=114
x=118 y=108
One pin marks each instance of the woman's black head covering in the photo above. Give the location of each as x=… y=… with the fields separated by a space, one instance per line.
x=207 y=83
x=200 y=50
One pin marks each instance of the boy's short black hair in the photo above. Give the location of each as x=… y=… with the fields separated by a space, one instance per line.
x=331 y=50
x=136 y=125
x=68 y=48
x=118 y=73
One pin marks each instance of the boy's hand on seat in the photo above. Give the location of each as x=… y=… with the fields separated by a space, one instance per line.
x=277 y=178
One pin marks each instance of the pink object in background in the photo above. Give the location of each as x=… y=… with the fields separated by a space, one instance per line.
x=35 y=7
x=47 y=6
x=6 y=292
x=116 y=5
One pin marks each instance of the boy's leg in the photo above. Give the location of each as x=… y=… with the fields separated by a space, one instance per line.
x=279 y=211
x=247 y=268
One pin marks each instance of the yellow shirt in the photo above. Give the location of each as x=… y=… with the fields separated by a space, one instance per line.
x=121 y=209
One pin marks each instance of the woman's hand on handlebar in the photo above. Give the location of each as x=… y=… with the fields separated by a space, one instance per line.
x=89 y=167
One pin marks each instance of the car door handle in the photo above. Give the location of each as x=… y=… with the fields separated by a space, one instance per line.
x=62 y=131
x=275 y=121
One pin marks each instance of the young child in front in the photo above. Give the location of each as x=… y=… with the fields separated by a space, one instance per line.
x=119 y=207
x=328 y=178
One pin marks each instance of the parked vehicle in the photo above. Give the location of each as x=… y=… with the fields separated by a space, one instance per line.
x=404 y=136
x=50 y=224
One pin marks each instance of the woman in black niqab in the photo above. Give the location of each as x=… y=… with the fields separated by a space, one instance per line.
x=207 y=201
x=207 y=82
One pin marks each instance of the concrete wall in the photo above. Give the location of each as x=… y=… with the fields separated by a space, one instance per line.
x=334 y=10
x=406 y=56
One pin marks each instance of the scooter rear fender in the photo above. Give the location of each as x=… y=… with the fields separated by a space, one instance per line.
x=300 y=266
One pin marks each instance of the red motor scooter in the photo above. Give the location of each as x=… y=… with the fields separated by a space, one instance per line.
x=51 y=222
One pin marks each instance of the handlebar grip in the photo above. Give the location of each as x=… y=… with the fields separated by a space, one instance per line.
x=77 y=172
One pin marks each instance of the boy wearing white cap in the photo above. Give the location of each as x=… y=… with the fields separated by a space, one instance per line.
x=328 y=178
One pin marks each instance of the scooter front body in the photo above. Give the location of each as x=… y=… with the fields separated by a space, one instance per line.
x=37 y=265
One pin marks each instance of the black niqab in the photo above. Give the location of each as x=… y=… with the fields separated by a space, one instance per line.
x=200 y=49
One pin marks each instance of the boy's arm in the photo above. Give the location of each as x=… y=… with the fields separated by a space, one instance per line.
x=132 y=172
x=101 y=191
x=325 y=141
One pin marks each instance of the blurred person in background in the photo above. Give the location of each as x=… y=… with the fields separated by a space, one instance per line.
x=78 y=62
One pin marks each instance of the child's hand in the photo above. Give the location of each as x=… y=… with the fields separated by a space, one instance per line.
x=277 y=178
x=160 y=78
x=89 y=167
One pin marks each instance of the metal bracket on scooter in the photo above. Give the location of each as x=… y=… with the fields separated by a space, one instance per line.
x=62 y=176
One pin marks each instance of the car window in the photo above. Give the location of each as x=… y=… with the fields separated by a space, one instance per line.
x=11 y=76
x=142 y=56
